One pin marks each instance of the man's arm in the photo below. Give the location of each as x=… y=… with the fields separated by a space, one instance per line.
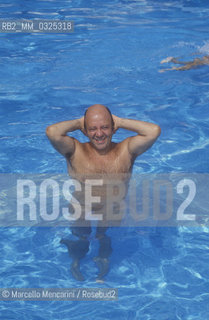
x=57 y=134
x=147 y=134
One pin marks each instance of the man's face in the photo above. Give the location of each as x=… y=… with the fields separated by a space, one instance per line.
x=99 y=129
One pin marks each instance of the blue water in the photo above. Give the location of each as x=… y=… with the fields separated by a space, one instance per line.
x=113 y=58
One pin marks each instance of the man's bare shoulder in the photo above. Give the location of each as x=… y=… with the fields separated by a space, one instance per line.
x=81 y=145
x=122 y=144
x=81 y=148
x=121 y=148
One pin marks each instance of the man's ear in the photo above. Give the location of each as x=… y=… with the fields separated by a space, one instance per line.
x=84 y=132
x=113 y=128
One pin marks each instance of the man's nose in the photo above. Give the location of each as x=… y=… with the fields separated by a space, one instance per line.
x=99 y=132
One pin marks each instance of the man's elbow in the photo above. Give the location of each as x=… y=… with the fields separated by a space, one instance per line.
x=156 y=131
x=51 y=131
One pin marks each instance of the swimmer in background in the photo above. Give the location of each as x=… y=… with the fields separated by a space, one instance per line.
x=186 y=65
x=103 y=158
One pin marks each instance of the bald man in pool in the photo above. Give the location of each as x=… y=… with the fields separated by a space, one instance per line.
x=103 y=158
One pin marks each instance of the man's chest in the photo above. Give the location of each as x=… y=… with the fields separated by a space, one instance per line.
x=113 y=163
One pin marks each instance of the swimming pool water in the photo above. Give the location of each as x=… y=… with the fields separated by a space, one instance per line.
x=113 y=57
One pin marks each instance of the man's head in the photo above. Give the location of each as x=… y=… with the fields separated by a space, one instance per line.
x=99 y=126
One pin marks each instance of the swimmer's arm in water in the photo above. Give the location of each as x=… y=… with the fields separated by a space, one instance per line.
x=174 y=60
x=57 y=134
x=187 y=65
x=147 y=134
x=183 y=68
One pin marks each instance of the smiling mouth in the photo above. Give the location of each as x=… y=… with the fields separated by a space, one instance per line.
x=100 y=141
